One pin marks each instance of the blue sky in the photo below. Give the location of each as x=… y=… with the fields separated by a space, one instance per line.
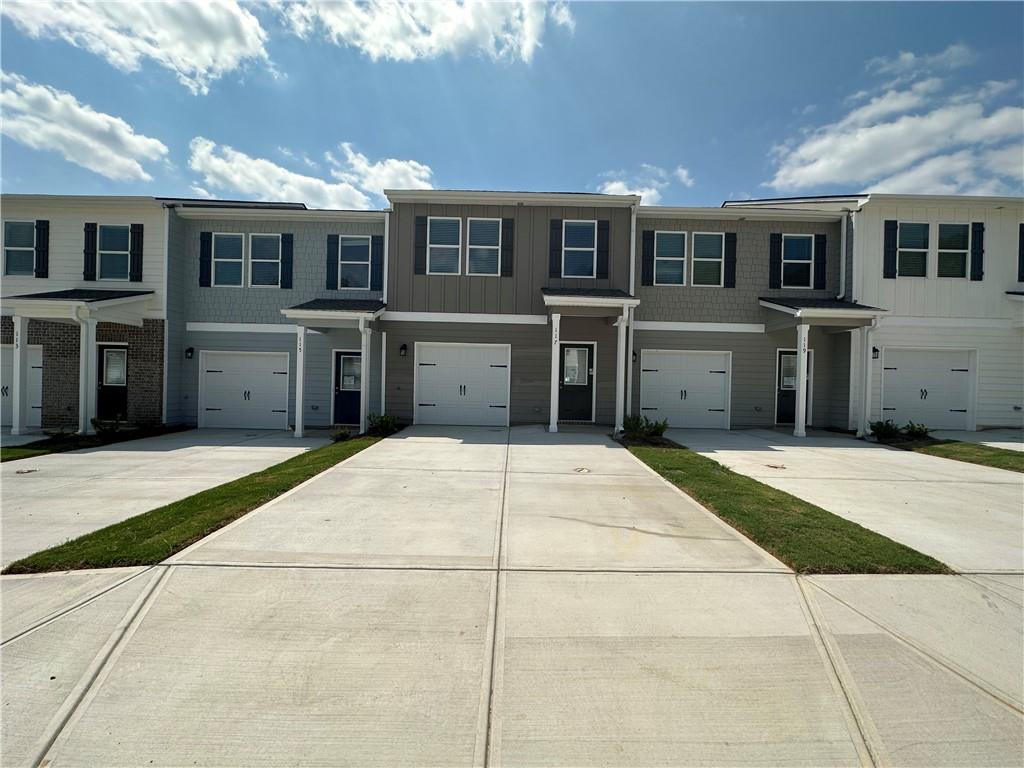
x=688 y=104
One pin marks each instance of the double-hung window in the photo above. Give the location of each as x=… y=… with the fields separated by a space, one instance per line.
x=797 y=261
x=444 y=245
x=954 y=244
x=265 y=260
x=113 y=252
x=354 y=262
x=228 y=255
x=19 y=248
x=912 y=253
x=483 y=255
x=670 y=258
x=708 y=257
x=579 y=248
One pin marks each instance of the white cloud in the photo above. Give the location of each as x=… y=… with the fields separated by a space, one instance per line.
x=907 y=63
x=649 y=182
x=44 y=118
x=684 y=176
x=226 y=170
x=406 y=30
x=650 y=195
x=198 y=41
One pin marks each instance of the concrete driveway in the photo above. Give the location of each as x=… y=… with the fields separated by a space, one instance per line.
x=496 y=597
x=50 y=499
x=968 y=516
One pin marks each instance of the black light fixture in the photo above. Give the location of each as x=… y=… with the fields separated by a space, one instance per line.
x=403 y=350
x=190 y=353
x=874 y=353
x=634 y=355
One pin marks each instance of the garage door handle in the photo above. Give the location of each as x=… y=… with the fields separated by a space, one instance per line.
x=682 y=394
x=924 y=394
x=497 y=406
x=210 y=370
x=426 y=405
x=888 y=409
x=3 y=390
x=275 y=410
x=648 y=409
x=213 y=409
x=890 y=369
x=280 y=373
x=498 y=366
x=428 y=363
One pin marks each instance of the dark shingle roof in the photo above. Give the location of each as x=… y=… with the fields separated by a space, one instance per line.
x=595 y=293
x=88 y=295
x=341 y=305
x=1015 y=293
x=800 y=302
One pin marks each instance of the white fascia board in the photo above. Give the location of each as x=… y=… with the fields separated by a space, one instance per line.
x=657 y=325
x=468 y=197
x=754 y=213
x=263 y=214
x=463 y=317
x=239 y=327
x=108 y=199
x=809 y=313
x=328 y=314
x=945 y=322
x=950 y=199
x=588 y=301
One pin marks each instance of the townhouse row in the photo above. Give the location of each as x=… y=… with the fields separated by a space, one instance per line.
x=494 y=308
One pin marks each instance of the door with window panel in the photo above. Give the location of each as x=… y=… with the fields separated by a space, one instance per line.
x=348 y=380
x=112 y=387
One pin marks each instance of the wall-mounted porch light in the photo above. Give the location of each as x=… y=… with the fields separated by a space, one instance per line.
x=190 y=353
x=634 y=355
x=403 y=350
x=874 y=353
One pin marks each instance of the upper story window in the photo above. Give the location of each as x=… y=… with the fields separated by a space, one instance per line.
x=708 y=258
x=444 y=245
x=265 y=260
x=579 y=248
x=912 y=253
x=483 y=256
x=670 y=258
x=228 y=252
x=354 y=262
x=19 y=248
x=954 y=245
x=797 y=261
x=113 y=252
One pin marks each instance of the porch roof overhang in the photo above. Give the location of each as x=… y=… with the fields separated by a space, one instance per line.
x=75 y=304
x=837 y=313
x=334 y=313
x=599 y=302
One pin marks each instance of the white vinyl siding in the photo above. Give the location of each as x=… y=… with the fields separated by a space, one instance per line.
x=797 y=261
x=708 y=259
x=483 y=247
x=228 y=259
x=444 y=246
x=354 y=262
x=19 y=248
x=670 y=258
x=113 y=245
x=579 y=248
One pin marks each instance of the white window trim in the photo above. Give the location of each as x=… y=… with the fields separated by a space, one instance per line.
x=720 y=260
x=214 y=260
x=501 y=236
x=683 y=258
x=252 y=260
x=18 y=247
x=99 y=254
x=593 y=251
x=368 y=262
x=458 y=263
x=926 y=251
x=814 y=256
x=938 y=249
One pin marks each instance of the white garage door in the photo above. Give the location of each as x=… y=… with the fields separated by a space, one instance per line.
x=688 y=388
x=928 y=386
x=464 y=384
x=33 y=417
x=248 y=390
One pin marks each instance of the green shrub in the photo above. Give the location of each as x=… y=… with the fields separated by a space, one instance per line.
x=640 y=426
x=106 y=427
x=340 y=435
x=381 y=426
x=916 y=430
x=885 y=430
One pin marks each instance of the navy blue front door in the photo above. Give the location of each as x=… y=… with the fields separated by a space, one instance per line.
x=348 y=378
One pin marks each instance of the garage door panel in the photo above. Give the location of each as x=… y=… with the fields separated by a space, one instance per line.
x=688 y=389
x=462 y=384
x=930 y=387
x=244 y=390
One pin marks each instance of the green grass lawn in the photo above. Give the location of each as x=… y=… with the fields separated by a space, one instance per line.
x=805 y=537
x=154 y=536
x=986 y=455
x=73 y=442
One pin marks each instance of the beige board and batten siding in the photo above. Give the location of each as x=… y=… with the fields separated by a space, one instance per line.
x=518 y=294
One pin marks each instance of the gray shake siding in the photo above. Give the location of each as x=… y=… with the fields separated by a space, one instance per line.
x=518 y=294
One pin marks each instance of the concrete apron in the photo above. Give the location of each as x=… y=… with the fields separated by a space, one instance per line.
x=523 y=612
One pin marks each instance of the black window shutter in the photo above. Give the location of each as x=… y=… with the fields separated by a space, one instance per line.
x=820 y=262
x=89 y=253
x=889 y=250
x=377 y=263
x=135 y=253
x=977 y=250
x=332 y=262
x=647 y=257
x=1020 y=253
x=42 y=268
x=602 y=249
x=205 y=258
x=287 y=258
x=508 y=246
x=555 y=249
x=420 y=260
x=775 y=260
x=730 y=260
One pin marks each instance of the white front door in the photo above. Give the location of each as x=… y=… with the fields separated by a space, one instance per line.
x=462 y=384
x=927 y=386
x=686 y=388
x=246 y=390
x=34 y=411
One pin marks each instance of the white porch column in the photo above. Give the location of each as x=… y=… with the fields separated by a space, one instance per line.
x=364 y=373
x=88 y=373
x=556 y=321
x=629 y=363
x=864 y=422
x=19 y=383
x=800 y=422
x=620 y=369
x=300 y=380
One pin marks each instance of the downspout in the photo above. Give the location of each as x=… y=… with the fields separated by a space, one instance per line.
x=632 y=310
x=855 y=277
x=387 y=233
x=867 y=380
x=842 y=256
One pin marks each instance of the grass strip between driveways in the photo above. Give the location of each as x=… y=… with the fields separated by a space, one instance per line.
x=154 y=536
x=807 y=538
x=74 y=442
x=973 y=453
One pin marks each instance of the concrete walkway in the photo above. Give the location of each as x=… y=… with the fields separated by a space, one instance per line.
x=495 y=597
x=50 y=499
x=965 y=515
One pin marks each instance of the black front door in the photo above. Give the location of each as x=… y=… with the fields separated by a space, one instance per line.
x=785 y=397
x=112 y=386
x=576 y=383
x=348 y=379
